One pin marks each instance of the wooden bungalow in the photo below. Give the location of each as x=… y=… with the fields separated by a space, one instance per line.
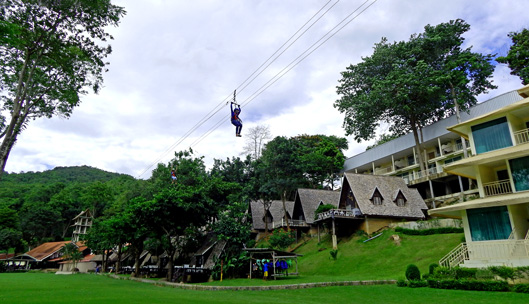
x=271 y=218
x=372 y=202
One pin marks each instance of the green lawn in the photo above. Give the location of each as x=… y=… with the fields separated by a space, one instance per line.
x=378 y=259
x=83 y=288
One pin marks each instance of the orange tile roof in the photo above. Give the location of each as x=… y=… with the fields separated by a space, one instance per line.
x=45 y=250
x=5 y=256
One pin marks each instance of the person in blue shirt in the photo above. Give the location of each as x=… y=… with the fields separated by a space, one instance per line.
x=235 y=120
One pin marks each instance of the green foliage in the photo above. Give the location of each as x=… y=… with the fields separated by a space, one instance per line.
x=413 y=273
x=281 y=239
x=64 y=55
x=503 y=272
x=322 y=208
x=521 y=288
x=440 y=230
x=402 y=283
x=417 y=283
x=518 y=56
x=334 y=254
x=384 y=138
x=432 y=267
x=465 y=273
x=465 y=284
x=412 y=84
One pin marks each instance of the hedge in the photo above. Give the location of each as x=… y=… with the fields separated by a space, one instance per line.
x=469 y=285
x=441 y=230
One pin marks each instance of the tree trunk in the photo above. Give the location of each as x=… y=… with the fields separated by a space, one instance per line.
x=417 y=144
x=118 y=263
x=137 y=263
x=170 y=267
x=283 y=198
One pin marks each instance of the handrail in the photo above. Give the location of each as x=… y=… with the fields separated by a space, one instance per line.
x=455 y=257
x=497 y=187
x=521 y=137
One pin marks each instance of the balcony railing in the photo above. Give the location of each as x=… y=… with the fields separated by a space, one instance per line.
x=291 y=223
x=521 y=137
x=340 y=213
x=381 y=171
x=497 y=187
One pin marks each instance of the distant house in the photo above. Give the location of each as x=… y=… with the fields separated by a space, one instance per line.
x=496 y=224
x=371 y=202
x=81 y=224
x=47 y=255
x=306 y=203
x=274 y=215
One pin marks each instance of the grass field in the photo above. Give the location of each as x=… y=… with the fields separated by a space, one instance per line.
x=44 y=288
x=378 y=259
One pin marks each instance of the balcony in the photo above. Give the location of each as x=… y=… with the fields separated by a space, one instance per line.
x=340 y=213
x=382 y=171
x=291 y=223
x=521 y=137
x=497 y=187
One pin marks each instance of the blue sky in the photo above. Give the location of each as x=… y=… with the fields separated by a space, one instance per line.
x=175 y=61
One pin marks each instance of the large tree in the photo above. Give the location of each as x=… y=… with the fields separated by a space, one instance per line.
x=411 y=84
x=255 y=140
x=51 y=52
x=518 y=56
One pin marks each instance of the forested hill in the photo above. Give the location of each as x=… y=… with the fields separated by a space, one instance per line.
x=78 y=174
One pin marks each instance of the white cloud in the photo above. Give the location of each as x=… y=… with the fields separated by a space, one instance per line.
x=175 y=61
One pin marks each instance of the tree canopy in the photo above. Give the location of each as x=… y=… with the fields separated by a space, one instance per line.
x=50 y=53
x=410 y=84
x=518 y=56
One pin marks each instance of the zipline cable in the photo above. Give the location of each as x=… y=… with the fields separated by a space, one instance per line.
x=292 y=64
x=219 y=107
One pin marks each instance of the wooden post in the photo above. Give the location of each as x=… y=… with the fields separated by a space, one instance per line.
x=318 y=232
x=334 y=241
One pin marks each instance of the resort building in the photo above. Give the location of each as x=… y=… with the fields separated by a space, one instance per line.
x=440 y=149
x=496 y=223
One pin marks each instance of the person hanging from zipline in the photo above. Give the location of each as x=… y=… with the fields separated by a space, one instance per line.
x=173 y=176
x=235 y=119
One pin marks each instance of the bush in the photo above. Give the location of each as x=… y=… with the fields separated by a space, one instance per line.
x=444 y=273
x=465 y=273
x=522 y=288
x=334 y=254
x=431 y=268
x=323 y=208
x=503 y=272
x=402 y=283
x=484 y=274
x=416 y=284
x=281 y=239
x=441 y=230
x=469 y=285
x=413 y=273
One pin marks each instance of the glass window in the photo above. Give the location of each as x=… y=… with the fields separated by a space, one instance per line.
x=491 y=135
x=520 y=173
x=489 y=223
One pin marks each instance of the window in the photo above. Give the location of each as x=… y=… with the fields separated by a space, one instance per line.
x=451 y=160
x=400 y=200
x=376 y=198
x=489 y=223
x=411 y=160
x=520 y=173
x=491 y=135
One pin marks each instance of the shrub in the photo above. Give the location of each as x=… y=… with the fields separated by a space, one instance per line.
x=444 y=273
x=484 y=274
x=440 y=230
x=503 y=272
x=322 y=208
x=469 y=285
x=522 y=288
x=432 y=267
x=402 y=283
x=413 y=273
x=281 y=239
x=418 y=283
x=334 y=254
x=465 y=273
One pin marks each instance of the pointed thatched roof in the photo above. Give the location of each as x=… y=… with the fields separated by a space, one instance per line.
x=276 y=210
x=363 y=187
x=308 y=200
